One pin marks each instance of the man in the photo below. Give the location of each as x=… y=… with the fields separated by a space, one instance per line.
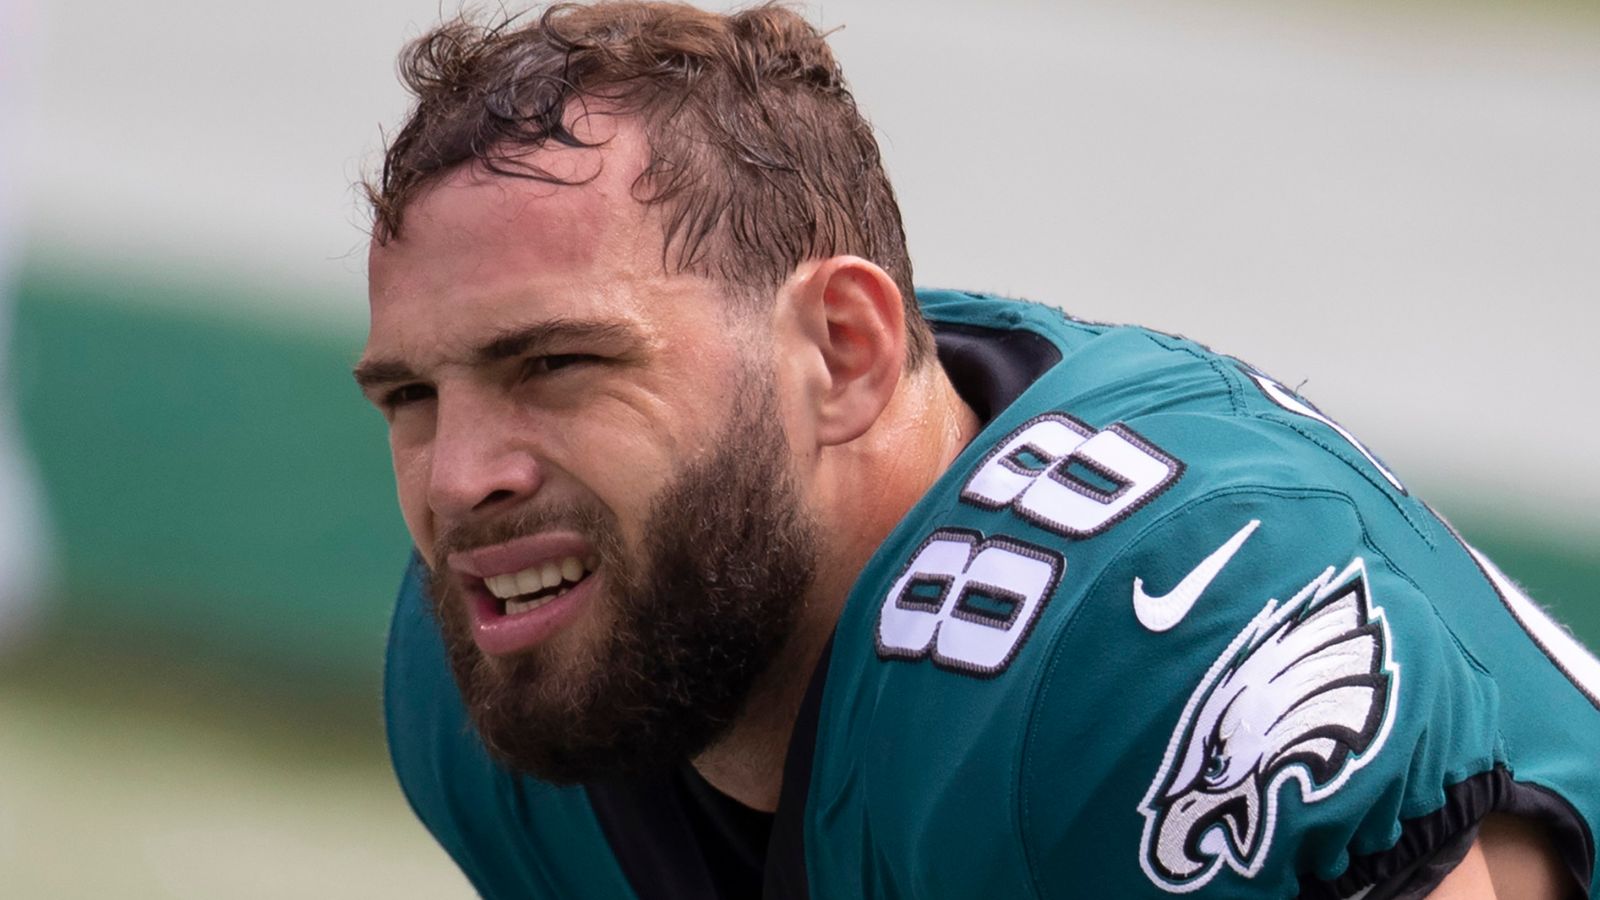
x=752 y=582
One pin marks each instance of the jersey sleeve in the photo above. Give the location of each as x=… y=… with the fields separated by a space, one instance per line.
x=511 y=836
x=1263 y=694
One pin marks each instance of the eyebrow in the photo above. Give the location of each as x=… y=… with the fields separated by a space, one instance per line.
x=507 y=343
x=371 y=374
x=522 y=340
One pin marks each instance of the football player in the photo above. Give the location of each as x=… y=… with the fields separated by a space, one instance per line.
x=741 y=569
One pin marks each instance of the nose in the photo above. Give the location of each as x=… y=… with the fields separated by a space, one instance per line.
x=482 y=459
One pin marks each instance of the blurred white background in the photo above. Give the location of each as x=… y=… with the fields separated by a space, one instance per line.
x=1398 y=205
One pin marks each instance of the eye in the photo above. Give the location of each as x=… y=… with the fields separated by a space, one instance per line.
x=552 y=362
x=407 y=394
x=1215 y=765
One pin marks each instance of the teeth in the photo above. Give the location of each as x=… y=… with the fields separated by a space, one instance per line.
x=528 y=582
x=516 y=606
x=568 y=570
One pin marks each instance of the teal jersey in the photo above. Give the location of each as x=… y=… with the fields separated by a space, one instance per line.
x=1162 y=628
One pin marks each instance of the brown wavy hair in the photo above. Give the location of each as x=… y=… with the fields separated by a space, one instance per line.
x=759 y=158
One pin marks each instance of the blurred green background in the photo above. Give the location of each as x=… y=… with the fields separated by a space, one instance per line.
x=1397 y=204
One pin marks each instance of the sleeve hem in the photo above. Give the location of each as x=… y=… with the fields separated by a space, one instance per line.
x=1431 y=846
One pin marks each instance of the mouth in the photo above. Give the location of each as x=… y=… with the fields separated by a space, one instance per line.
x=522 y=592
x=533 y=587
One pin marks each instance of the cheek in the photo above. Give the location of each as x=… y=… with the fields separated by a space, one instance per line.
x=411 y=487
x=620 y=470
x=621 y=460
x=625 y=434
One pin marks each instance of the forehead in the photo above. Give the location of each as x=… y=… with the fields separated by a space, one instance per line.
x=481 y=251
x=470 y=212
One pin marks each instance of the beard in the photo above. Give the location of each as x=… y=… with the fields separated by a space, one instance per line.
x=689 y=624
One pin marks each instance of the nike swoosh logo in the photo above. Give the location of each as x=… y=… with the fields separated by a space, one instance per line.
x=1159 y=613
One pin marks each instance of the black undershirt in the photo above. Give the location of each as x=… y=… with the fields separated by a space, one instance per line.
x=732 y=836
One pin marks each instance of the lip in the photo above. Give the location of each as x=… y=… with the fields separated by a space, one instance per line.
x=518 y=554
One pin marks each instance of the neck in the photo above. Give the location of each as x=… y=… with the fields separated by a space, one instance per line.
x=862 y=490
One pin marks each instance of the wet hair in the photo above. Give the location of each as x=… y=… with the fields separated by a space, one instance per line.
x=758 y=156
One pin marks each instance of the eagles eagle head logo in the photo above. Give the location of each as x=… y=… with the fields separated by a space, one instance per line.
x=1305 y=692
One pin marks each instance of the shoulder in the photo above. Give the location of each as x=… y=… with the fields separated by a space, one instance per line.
x=1167 y=622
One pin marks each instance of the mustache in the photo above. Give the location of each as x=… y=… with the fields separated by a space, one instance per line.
x=592 y=521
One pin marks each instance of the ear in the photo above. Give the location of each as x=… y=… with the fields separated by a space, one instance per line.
x=851 y=317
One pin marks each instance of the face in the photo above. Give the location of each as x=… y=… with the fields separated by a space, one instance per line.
x=589 y=456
